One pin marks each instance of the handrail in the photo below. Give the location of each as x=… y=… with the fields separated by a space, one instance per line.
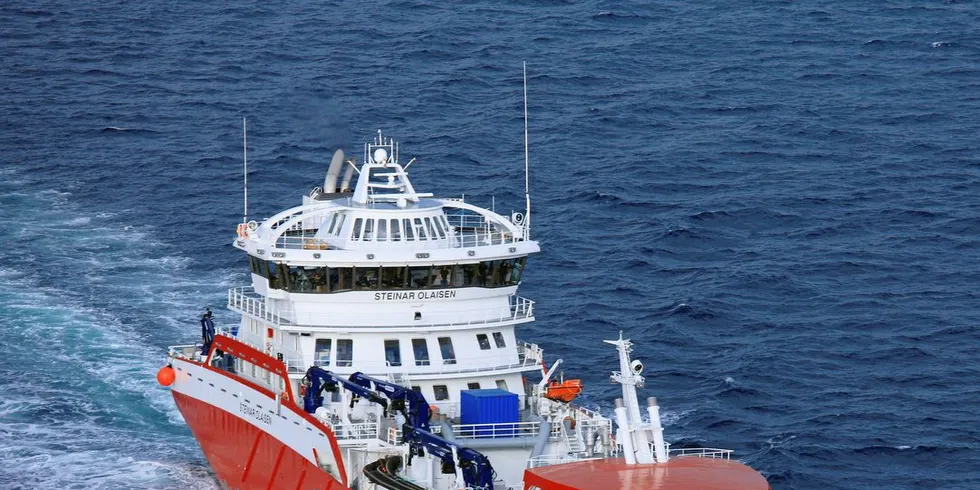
x=699 y=452
x=356 y=431
x=244 y=300
x=548 y=460
x=501 y=429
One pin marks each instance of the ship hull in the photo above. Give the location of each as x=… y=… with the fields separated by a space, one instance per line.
x=243 y=446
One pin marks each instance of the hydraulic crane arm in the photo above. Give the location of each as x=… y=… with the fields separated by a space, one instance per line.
x=410 y=403
x=474 y=466
x=318 y=380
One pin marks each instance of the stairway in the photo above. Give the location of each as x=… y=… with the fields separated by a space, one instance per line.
x=573 y=438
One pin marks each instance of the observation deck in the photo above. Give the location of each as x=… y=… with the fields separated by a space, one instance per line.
x=383 y=219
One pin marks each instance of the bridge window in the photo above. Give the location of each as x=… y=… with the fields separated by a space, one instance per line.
x=340 y=226
x=392 y=278
x=382 y=230
x=321 y=356
x=515 y=273
x=409 y=231
x=341 y=279
x=502 y=384
x=358 y=223
x=345 y=352
x=472 y=274
x=368 y=230
x=418 y=277
x=473 y=386
x=497 y=273
x=490 y=277
x=483 y=340
x=276 y=279
x=420 y=229
x=393 y=353
x=366 y=278
x=431 y=228
x=300 y=279
x=319 y=279
x=446 y=349
x=421 y=350
x=254 y=264
x=442 y=276
x=396 y=234
x=498 y=338
x=333 y=223
x=441 y=392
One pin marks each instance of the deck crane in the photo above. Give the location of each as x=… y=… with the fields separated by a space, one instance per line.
x=473 y=466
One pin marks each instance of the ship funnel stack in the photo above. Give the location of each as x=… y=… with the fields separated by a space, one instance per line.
x=643 y=443
x=333 y=173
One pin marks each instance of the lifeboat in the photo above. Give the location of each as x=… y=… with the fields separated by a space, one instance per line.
x=564 y=391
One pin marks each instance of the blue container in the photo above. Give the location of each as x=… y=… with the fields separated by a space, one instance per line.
x=480 y=408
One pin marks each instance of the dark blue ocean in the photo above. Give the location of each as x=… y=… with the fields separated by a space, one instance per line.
x=779 y=202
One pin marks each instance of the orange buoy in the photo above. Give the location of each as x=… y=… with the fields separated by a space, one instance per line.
x=166 y=376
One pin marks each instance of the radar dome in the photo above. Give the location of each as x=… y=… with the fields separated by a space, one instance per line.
x=380 y=155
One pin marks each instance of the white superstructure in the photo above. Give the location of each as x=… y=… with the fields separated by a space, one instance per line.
x=392 y=282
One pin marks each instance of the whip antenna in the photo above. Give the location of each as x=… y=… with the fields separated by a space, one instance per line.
x=245 y=162
x=527 y=164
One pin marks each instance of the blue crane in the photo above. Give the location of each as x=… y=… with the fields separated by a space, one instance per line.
x=474 y=466
x=411 y=404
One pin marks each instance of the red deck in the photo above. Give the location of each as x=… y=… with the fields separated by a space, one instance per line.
x=688 y=473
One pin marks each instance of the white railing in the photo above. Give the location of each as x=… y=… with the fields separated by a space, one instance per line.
x=356 y=432
x=459 y=238
x=485 y=431
x=302 y=242
x=191 y=351
x=548 y=460
x=698 y=452
x=528 y=355
x=501 y=430
x=246 y=301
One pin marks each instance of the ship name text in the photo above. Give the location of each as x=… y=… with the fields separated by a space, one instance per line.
x=255 y=414
x=414 y=295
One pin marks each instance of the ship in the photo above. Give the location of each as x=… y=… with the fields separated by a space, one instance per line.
x=377 y=348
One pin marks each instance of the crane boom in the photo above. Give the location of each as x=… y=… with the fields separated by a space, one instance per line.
x=475 y=467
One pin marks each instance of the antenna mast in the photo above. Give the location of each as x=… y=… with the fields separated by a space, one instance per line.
x=245 y=161
x=527 y=164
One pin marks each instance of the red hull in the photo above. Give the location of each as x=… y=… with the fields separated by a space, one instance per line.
x=245 y=457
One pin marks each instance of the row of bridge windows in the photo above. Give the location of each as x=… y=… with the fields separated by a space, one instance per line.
x=394 y=229
x=303 y=279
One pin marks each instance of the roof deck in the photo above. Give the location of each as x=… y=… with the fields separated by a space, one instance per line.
x=382 y=213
